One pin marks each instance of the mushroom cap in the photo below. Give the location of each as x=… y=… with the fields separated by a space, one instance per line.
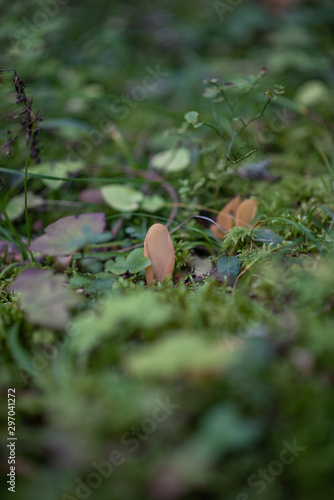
x=226 y=217
x=246 y=212
x=158 y=247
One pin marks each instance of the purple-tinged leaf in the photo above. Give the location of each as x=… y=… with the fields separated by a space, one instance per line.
x=67 y=235
x=44 y=297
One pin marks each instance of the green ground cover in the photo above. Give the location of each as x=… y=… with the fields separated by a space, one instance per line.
x=216 y=383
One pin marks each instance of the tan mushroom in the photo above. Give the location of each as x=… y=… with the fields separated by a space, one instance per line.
x=158 y=247
x=246 y=212
x=226 y=218
x=235 y=213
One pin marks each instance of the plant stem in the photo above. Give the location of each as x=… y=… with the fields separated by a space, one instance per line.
x=26 y=182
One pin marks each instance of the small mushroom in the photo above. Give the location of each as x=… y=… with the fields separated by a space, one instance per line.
x=235 y=213
x=226 y=217
x=246 y=212
x=158 y=247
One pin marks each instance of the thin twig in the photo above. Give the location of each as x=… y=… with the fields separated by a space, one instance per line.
x=12 y=113
x=117 y=226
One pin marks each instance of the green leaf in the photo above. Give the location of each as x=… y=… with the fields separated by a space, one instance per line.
x=117 y=267
x=211 y=93
x=56 y=169
x=101 y=281
x=267 y=236
x=152 y=203
x=79 y=281
x=16 y=205
x=228 y=267
x=136 y=261
x=122 y=198
x=191 y=117
x=172 y=160
x=91 y=265
x=312 y=93
x=69 y=234
x=99 y=285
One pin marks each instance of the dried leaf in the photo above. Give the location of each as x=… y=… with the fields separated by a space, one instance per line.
x=67 y=235
x=44 y=298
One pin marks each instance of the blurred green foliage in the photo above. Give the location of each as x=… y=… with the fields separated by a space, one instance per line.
x=185 y=391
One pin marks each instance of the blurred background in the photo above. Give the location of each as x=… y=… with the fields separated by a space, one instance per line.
x=141 y=66
x=88 y=62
